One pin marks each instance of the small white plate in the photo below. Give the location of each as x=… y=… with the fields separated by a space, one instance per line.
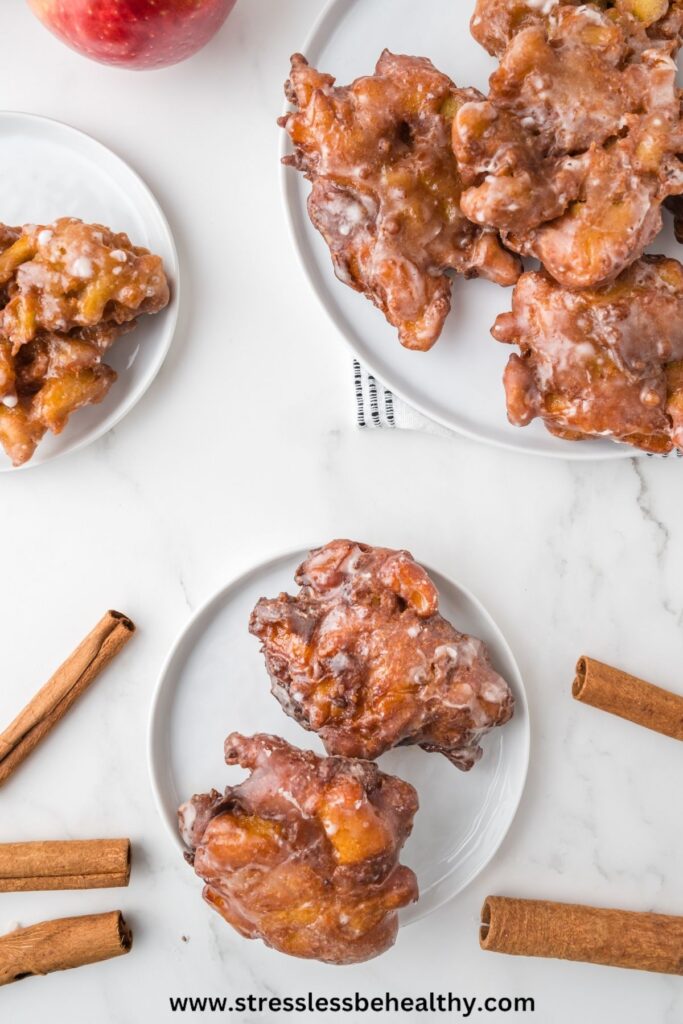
x=459 y=382
x=215 y=681
x=50 y=170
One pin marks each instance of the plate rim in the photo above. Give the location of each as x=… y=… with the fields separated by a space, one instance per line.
x=155 y=734
x=171 y=310
x=332 y=11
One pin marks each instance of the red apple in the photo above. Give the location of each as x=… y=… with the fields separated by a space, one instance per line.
x=134 y=33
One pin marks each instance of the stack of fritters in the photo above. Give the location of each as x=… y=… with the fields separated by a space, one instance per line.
x=304 y=854
x=569 y=159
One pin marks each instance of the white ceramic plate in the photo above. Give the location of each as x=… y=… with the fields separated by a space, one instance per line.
x=49 y=170
x=215 y=681
x=458 y=383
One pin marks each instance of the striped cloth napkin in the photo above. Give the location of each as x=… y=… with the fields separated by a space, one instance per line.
x=377 y=407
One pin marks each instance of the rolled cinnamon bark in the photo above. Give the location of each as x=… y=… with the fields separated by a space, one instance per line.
x=628 y=697
x=70 y=680
x=72 y=864
x=568 y=931
x=61 y=944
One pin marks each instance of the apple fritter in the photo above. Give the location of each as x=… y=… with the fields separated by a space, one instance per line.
x=646 y=22
x=604 y=362
x=386 y=189
x=69 y=275
x=362 y=657
x=304 y=853
x=576 y=147
x=67 y=291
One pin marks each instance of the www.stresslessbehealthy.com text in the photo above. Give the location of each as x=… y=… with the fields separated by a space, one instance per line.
x=431 y=1002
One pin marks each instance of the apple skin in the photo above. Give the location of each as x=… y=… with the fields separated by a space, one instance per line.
x=136 y=34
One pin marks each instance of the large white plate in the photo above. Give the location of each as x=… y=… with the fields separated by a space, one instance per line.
x=458 y=383
x=50 y=170
x=215 y=681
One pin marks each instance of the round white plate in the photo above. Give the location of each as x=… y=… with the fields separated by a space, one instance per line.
x=459 y=382
x=50 y=170
x=215 y=681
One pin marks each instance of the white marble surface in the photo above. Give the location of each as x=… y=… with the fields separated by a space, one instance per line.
x=245 y=445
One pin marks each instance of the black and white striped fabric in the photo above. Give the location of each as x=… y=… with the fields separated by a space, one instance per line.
x=377 y=407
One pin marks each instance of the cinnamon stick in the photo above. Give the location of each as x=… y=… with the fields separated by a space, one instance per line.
x=72 y=864
x=61 y=944
x=568 y=931
x=620 y=694
x=70 y=680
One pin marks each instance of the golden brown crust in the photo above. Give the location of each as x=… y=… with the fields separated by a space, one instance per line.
x=362 y=657
x=386 y=188
x=304 y=853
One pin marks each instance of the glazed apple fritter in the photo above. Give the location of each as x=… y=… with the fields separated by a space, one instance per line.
x=386 y=189
x=576 y=147
x=68 y=290
x=648 y=22
x=362 y=657
x=304 y=853
x=606 y=362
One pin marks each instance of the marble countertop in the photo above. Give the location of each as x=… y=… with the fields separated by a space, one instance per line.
x=245 y=445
